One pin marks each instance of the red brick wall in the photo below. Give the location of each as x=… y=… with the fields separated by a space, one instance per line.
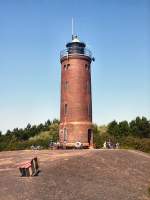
x=76 y=93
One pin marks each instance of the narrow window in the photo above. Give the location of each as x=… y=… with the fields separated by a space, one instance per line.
x=66 y=107
x=89 y=110
x=65 y=67
x=65 y=134
x=88 y=87
x=86 y=67
x=66 y=85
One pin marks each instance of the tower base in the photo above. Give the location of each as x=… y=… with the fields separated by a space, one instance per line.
x=72 y=133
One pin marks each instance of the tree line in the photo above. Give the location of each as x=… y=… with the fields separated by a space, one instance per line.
x=140 y=127
x=134 y=134
x=19 y=138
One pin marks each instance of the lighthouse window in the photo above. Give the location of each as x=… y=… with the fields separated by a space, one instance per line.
x=66 y=85
x=87 y=67
x=65 y=67
x=88 y=87
x=89 y=109
x=65 y=134
x=66 y=107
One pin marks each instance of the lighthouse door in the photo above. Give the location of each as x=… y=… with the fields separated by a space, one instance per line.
x=89 y=136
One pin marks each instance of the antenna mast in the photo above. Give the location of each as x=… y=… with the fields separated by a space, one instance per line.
x=72 y=28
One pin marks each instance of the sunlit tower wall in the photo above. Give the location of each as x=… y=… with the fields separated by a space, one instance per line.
x=76 y=95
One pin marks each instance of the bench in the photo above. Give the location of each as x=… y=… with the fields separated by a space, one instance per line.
x=29 y=168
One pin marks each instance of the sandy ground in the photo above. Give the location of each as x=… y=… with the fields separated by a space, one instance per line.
x=73 y=174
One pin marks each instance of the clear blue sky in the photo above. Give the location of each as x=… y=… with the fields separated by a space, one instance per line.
x=32 y=33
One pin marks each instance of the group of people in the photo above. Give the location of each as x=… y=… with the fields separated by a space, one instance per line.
x=110 y=145
x=34 y=147
x=54 y=145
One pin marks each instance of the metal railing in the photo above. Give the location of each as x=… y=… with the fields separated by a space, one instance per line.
x=75 y=51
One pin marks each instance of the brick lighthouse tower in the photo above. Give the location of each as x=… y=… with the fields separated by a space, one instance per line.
x=76 y=100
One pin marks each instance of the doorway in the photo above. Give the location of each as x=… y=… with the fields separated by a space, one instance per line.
x=90 y=136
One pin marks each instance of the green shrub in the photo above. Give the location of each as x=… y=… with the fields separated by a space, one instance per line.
x=130 y=135
x=136 y=143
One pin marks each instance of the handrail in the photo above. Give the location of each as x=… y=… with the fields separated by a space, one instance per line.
x=75 y=51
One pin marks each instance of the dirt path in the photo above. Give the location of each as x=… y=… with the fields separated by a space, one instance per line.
x=72 y=175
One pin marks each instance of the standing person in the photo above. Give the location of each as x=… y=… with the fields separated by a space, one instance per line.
x=105 y=145
x=109 y=144
x=117 y=145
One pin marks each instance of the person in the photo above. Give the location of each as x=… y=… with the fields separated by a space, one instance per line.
x=117 y=145
x=105 y=145
x=114 y=146
x=32 y=147
x=58 y=145
x=109 y=144
x=51 y=144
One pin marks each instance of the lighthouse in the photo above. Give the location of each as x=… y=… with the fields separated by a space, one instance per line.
x=76 y=95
